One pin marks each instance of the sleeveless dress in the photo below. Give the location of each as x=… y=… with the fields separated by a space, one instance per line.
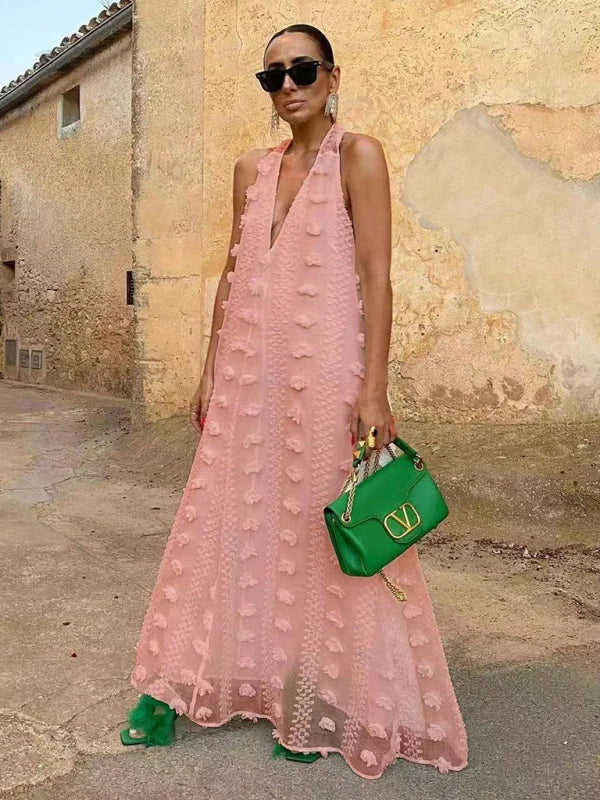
x=251 y=614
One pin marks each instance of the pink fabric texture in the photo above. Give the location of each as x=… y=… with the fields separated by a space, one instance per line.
x=251 y=614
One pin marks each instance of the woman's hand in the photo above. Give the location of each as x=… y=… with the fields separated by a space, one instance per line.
x=199 y=402
x=372 y=408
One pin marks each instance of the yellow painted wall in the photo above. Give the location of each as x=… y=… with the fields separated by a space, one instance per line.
x=488 y=111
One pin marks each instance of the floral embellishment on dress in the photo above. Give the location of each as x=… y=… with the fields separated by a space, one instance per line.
x=248 y=551
x=345 y=464
x=361 y=339
x=329 y=696
x=309 y=289
x=418 y=639
x=187 y=676
x=405 y=580
x=252 y=192
x=432 y=700
x=304 y=320
x=243 y=347
x=295 y=414
x=321 y=169
x=170 y=593
x=334 y=645
x=425 y=670
x=228 y=372
x=224 y=304
x=286 y=535
x=276 y=682
x=207 y=619
x=294 y=473
x=361 y=307
x=282 y=624
x=205 y=687
x=336 y=590
x=349 y=400
x=291 y=505
x=247 y=610
x=279 y=654
x=176 y=566
x=377 y=730
x=203 y=713
x=254 y=286
x=276 y=710
x=178 y=706
x=229 y=276
x=252 y=467
x=285 y=597
x=383 y=701
x=200 y=647
x=358 y=369
x=298 y=382
x=160 y=621
x=213 y=427
x=247 y=379
x=265 y=259
x=264 y=165
x=442 y=764
x=190 y=513
x=139 y=673
x=286 y=566
x=234 y=249
x=312 y=260
x=317 y=197
x=302 y=350
x=411 y=610
x=251 y=410
x=250 y=524
x=388 y=674
x=313 y=228
x=294 y=444
x=435 y=732
x=153 y=647
x=334 y=617
x=182 y=539
x=198 y=483
x=251 y=715
x=252 y=496
x=368 y=757
x=332 y=670
x=244 y=635
x=246 y=662
x=208 y=456
x=327 y=724
x=246 y=690
x=246 y=581
x=249 y=315
x=252 y=438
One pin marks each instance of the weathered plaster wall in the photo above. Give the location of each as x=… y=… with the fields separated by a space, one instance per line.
x=486 y=111
x=69 y=202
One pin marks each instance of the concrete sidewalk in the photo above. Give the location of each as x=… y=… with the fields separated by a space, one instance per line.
x=85 y=507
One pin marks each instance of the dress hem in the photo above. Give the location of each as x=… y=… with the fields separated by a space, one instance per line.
x=279 y=737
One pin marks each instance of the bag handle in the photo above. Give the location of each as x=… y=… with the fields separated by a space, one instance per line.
x=404 y=446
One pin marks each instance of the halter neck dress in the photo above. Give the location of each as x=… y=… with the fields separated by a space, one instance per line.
x=251 y=614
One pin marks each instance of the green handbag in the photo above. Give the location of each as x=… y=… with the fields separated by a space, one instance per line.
x=376 y=519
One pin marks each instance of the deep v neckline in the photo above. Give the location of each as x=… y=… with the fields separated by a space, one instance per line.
x=298 y=193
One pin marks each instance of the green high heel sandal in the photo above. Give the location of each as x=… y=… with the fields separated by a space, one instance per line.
x=151 y=722
x=307 y=758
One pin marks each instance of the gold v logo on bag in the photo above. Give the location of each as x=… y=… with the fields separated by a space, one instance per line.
x=406 y=519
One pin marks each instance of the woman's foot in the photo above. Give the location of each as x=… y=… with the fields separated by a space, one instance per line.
x=152 y=723
x=290 y=755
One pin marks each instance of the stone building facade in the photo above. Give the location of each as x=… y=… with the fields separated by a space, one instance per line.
x=489 y=114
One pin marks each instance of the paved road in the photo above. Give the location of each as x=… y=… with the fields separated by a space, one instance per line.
x=76 y=579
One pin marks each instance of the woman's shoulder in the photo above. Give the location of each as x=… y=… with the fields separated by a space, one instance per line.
x=360 y=145
x=246 y=163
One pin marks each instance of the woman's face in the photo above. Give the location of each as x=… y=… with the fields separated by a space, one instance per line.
x=283 y=52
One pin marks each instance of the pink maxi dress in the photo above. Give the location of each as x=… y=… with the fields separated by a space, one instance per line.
x=251 y=614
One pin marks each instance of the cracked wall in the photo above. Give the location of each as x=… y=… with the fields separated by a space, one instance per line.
x=66 y=222
x=478 y=104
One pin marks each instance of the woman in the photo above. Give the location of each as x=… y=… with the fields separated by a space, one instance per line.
x=251 y=614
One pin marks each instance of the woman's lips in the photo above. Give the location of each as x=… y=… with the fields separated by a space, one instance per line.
x=295 y=104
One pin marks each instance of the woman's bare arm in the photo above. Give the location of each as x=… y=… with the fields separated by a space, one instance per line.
x=369 y=189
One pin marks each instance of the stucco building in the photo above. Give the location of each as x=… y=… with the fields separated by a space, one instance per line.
x=489 y=115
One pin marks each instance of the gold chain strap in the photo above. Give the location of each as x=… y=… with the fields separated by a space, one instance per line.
x=397 y=592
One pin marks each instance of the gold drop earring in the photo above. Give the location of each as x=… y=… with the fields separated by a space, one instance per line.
x=331 y=105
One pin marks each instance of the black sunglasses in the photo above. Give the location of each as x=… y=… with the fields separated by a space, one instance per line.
x=303 y=74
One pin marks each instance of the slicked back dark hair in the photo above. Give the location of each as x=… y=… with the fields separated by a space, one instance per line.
x=314 y=33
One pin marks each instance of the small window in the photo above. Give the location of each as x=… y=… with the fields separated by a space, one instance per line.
x=10 y=352
x=129 y=287
x=36 y=359
x=23 y=358
x=71 y=111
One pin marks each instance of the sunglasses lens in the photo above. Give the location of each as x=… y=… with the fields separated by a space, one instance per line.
x=304 y=74
x=271 y=80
